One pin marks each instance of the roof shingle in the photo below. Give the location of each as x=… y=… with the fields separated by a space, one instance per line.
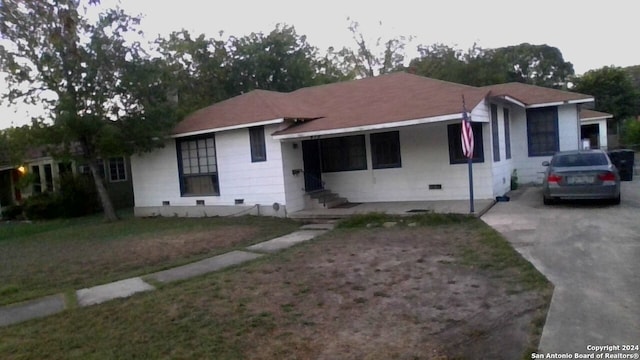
x=359 y=103
x=535 y=95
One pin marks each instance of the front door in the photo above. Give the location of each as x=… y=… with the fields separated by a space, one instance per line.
x=312 y=165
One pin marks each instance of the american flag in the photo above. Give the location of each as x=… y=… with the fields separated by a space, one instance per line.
x=467 y=133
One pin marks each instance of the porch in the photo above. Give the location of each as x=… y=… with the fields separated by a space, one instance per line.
x=404 y=208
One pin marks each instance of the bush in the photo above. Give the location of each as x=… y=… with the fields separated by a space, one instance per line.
x=12 y=212
x=631 y=134
x=42 y=206
x=78 y=196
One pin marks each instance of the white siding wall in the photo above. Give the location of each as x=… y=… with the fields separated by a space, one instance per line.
x=155 y=175
x=294 y=184
x=530 y=169
x=425 y=160
x=256 y=183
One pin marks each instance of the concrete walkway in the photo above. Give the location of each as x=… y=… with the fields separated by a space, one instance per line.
x=38 y=308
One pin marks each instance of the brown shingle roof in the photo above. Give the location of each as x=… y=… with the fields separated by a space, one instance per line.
x=592 y=114
x=383 y=99
x=254 y=106
x=535 y=95
x=370 y=101
x=359 y=103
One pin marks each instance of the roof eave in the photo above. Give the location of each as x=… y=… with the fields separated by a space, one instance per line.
x=226 y=128
x=395 y=124
x=558 y=103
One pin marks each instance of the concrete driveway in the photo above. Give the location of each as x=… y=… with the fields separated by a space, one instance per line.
x=591 y=253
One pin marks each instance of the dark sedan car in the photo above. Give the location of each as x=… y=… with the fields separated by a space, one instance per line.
x=581 y=174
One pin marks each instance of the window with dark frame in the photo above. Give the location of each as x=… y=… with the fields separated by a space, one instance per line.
x=507 y=134
x=198 y=169
x=345 y=153
x=258 y=146
x=48 y=177
x=385 y=150
x=37 y=183
x=495 y=133
x=117 y=169
x=542 y=131
x=454 y=132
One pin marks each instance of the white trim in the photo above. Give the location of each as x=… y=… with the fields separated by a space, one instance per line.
x=456 y=116
x=596 y=118
x=514 y=101
x=232 y=127
x=558 y=103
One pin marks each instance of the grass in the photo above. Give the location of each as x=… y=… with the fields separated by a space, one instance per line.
x=293 y=304
x=43 y=258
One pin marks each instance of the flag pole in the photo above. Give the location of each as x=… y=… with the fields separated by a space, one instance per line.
x=470 y=149
x=470 y=162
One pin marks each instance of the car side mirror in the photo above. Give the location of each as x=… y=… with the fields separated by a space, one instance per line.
x=545 y=163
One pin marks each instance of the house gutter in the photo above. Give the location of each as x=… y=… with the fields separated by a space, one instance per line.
x=456 y=116
x=226 y=128
x=532 y=106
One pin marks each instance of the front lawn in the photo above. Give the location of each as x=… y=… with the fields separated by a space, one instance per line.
x=428 y=287
x=44 y=258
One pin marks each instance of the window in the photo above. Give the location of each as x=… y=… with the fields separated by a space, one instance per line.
x=455 y=143
x=37 y=184
x=385 y=150
x=575 y=160
x=48 y=177
x=542 y=131
x=343 y=153
x=117 y=169
x=507 y=134
x=64 y=168
x=495 y=135
x=258 y=148
x=198 y=169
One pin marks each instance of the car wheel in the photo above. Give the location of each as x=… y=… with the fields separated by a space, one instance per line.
x=616 y=200
x=547 y=200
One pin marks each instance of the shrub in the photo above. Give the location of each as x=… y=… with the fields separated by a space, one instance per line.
x=12 y=212
x=631 y=134
x=42 y=206
x=78 y=196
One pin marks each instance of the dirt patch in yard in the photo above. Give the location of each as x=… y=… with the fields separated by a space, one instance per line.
x=383 y=293
x=159 y=248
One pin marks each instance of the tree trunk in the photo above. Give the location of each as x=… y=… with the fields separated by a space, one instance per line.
x=107 y=206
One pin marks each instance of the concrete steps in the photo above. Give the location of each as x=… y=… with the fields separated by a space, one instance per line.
x=326 y=198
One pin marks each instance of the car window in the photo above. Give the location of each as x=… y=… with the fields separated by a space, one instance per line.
x=579 y=160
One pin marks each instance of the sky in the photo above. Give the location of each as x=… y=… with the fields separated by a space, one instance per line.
x=590 y=35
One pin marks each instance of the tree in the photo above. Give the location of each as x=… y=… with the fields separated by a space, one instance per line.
x=634 y=72
x=613 y=90
x=541 y=65
x=367 y=60
x=631 y=133
x=87 y=74
x=280 y=61
x=439 y=61
x=532 y=64
x=197 y=69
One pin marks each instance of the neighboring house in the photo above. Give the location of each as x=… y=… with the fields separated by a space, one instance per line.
x=593 y=129
x=47 y=171
x=9 y=192
x=394 y=137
